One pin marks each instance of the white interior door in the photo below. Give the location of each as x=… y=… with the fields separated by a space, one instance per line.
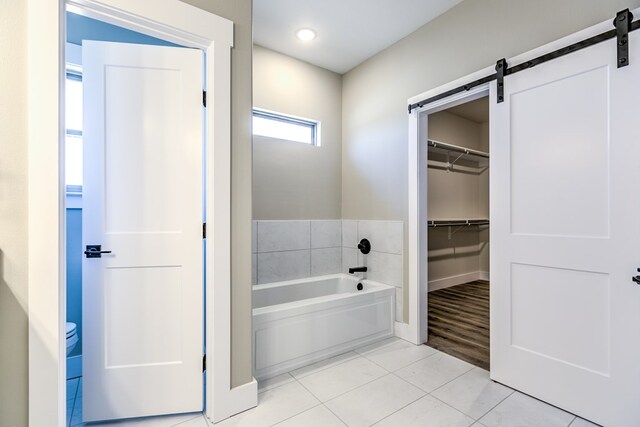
x=143 y=302
x=565 y=234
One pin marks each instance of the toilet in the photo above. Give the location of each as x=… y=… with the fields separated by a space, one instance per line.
x=72 y=337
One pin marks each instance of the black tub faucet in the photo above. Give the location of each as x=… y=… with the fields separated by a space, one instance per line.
x=357 y=270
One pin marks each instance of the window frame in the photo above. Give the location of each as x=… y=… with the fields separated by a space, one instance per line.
x=314 y=125
x=73 y=72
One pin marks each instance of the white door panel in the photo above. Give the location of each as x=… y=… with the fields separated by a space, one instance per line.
x=565 y=315
x=143 y=302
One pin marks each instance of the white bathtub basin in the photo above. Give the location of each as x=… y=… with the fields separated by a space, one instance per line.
x=299 y=322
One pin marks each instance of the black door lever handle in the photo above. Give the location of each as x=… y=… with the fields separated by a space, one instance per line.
x=636 y=279
x=95 y=251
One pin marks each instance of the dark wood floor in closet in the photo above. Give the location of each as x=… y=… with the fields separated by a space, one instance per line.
x=459 y=322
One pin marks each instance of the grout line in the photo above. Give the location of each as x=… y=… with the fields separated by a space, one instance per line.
x=454 y=408
x=310 y=246
x=475 y=420
x=292 y=416
x=302 y=412
x=402 y=367
x=391 y=342
x=455 y=378
x=298 y=250
x=73 y=406
x=195 y=416
x=274 y=387
x=327 y=367
x=494 y=406
x=410 y=403
x=257 y=258
x=336 y=415
x=348 y=391
x=542 y=401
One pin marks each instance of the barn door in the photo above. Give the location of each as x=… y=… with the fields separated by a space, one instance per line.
x=565 y=234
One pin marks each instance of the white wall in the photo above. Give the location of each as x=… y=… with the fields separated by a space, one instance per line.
x=293 y=180
x=467 y=38
x=13 y=215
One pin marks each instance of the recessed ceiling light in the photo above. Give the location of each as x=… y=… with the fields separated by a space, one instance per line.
x=305 y=34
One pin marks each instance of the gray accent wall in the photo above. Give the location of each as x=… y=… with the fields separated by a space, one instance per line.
x=240 y=12
x=465 y=39
x=291 y=180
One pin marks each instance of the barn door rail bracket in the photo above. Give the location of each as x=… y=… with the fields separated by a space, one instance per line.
x=623 y=24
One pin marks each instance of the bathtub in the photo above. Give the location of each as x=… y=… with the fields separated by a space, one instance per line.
x=299 y=322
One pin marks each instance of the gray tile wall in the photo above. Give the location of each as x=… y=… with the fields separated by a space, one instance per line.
x=384 y=262
x=288 y=250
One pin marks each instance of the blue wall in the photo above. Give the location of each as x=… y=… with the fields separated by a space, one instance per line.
x=74 y=272
x=82 y=28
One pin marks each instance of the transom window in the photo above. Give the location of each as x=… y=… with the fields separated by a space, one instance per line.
x=281 y=126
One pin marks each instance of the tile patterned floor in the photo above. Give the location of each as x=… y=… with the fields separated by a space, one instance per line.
x=391 y=383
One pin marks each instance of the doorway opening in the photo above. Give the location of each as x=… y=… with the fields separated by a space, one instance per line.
x=458 y=231
x=451 y=224
x=118 y=338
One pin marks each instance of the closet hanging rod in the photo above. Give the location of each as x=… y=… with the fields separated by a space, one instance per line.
x=455 y=223
x=450 y=147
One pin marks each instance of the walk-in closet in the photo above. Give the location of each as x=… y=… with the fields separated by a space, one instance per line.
x=458 y=231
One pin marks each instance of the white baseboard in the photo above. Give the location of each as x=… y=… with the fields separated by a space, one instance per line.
x=74 y=366
x=447 y=282
x=404 y=332
x=241 y=398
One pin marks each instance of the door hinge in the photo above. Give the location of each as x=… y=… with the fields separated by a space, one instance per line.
x=204 y=98
x=622 y=24
x=204 y=363
x=204 y=230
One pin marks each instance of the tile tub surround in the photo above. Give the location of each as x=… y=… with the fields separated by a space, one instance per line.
x=385 y=261
x=288 y=250
x=294 y=250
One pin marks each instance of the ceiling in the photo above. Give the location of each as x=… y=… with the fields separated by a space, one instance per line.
x=349 y=31
x=476 y=111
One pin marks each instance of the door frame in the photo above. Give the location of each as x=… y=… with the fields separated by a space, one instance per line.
x=415 y=330
x=177 y=22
